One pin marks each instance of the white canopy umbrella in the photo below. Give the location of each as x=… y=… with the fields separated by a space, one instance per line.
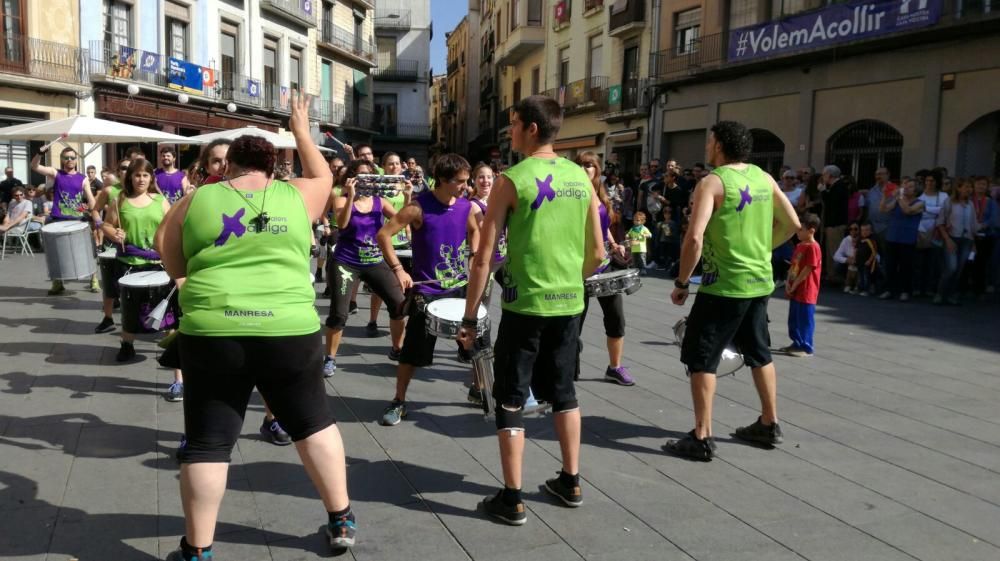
x=280 y=141
x=86 y=129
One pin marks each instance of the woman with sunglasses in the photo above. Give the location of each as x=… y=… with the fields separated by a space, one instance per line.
x=71 y=198
x=613 y=306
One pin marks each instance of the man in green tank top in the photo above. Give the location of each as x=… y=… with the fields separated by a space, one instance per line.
x=553 y=241
x=740 y=215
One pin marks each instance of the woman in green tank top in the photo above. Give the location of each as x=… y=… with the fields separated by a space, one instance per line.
x=241 y=247
x=131 y=222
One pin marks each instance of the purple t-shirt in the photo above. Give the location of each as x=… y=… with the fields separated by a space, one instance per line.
x=602 y=211
x=68 y=200
x=356 y=244
x=501 y=252
x=440 y=244
x=171 y=184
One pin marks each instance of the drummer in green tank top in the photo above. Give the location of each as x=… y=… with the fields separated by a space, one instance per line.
x=739 y=216
x=553 y=242
x=97 y=212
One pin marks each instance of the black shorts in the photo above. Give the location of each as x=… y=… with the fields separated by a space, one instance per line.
x=379 y=278
x=418 y=344
x=717 y=321
x=220 y=374
x=535 y=352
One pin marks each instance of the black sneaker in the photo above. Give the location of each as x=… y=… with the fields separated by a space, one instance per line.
x=273 y=433
x=326 y=291
x=570 y=496
x=341 y=532
x=319 y=276
x=515 y=515
x=352 y=309
x=107 y=325
x=395 y=353
x=178 y=555
x=126 y=352
x=760 y=433
x=371 y=330
x=692 y=448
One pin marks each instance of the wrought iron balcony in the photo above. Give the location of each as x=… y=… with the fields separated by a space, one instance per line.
x=627 y=101
x=526 y=37
x=110 y=62
x=630 y=19
x=241 y=89
x=347 y=43
x=581 y=96
x=391 y=18
x=453 y=67
x=396 y=69
x=45 y=60
x=396 y=130
x=335 y=113
x=299 y=11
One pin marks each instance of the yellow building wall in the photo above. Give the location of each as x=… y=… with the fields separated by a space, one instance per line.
x=54 y=20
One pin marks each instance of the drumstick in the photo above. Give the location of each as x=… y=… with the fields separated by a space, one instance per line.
x=49 y=145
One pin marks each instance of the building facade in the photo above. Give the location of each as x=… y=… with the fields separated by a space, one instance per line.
x=436 y=113
x=520 y=57
x=402 y=77
x=42 y=74
x=901 y=84
x=483 y=145
x=457 y=114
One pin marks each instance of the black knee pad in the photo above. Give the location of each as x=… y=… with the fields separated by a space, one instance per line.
x=509 y=420
x=564 y=406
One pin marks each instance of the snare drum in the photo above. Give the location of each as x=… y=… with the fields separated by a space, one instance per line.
x=140 y=293
x=614 y=282
x=731 y=361
x=444 y=318
x=110 y=271
x=69 y=250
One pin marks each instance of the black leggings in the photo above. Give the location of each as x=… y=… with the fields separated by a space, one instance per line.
x=220 y=374
x=614 y=315
x=379 y=278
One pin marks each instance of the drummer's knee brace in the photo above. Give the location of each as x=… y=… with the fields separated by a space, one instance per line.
x=510 y=418
x=565 y=406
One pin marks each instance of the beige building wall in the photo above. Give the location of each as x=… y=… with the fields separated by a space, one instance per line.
x=458 y=42
x=962 y=106
x=54 y=20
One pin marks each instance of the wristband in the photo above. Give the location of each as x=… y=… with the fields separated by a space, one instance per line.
x=98 y=223
x=396 y=267
x=681 y=285
x=470 y=323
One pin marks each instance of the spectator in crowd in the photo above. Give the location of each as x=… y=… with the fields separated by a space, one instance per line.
x=930 y=245
x=655 y=169
x=108 y=177
x=804 y=174
x=654 y=205
x=646 y=186
x=988 y=218
x=689 y=180
x=612 y=167
x=957 y=227
x=700 y=171
x=415 y=175
x=675 y=194
x=34 y=194
x=667 y=239
x=802 y=288
x=7 y=186
x=905 y=211
x=95 y=183
x=844 y=259
x=811 y=199
x=866 y=258
x=19 y=211
x=834 y=191
x=791 y=187
x=873 y=214
x=283 y=170
x=855 y=201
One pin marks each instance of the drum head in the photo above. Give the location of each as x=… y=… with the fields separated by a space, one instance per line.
x=145 y=278
x=404 y=253
x=452 y=309
x=612 y=275
x=65 y=227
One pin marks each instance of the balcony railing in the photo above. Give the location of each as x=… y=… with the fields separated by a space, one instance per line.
x=452 y=67
x=301 y=11
x=708 y=54
x=336 y=113
x=631 y=18
x=592 y=5
x=390 y=18
x=632 y=101
x=340 y=38
x=396 y=69
x=277 y=98
x=119 y=62
x=241 y=89
x=42 y=59
x=403 y=130
x=580 y=96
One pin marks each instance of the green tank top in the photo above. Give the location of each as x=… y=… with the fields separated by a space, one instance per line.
x=736 y=256
x=114 y=191
x=400 y=239
x=140 y=226
x=546 y=238
x=241 y=282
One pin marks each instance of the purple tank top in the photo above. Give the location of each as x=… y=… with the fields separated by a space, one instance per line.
x=356 y=244
x=68 y=200
x=602 y=211
x=440 y=244
x=501 y=252
x=171 y=184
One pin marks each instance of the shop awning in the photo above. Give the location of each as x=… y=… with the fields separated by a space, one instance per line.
x=625 y=135
x=585 y=141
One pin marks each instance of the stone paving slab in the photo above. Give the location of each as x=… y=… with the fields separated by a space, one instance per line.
x=892 y=437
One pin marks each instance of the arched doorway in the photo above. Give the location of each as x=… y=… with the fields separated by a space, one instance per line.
x=768 y=151
x=862 y=147
x=979 y=147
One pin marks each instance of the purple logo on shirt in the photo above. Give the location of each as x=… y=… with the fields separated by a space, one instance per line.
x=231 y=225
x=545 y=191
x=745 y=199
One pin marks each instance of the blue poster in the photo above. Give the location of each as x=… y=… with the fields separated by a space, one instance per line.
x=253 y=87
x=839 y=23
x=183 y=75
x=150 y=62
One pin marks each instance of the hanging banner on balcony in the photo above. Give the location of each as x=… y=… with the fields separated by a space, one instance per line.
x=283 y=98
x=207 y=77
x=125 y=62
x=839 y=23
x=182 y=75
x=615 y=95
x=562 y=11
x=150 y=62
x=253 y=88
